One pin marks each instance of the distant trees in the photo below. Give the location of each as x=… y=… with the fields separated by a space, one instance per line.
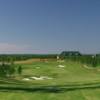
x=65 y=54
x=94 y=61
x=8 y=68
x=91 y=60
x=19 y=70
x=19 y=57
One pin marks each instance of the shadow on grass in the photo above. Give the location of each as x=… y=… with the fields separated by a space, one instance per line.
x=50 y=89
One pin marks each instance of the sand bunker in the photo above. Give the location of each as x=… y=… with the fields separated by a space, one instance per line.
x=41 y=78
x=26 y=79
x=37 y=78
x=61 y=66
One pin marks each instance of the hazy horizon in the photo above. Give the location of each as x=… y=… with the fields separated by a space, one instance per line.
x=49 y=26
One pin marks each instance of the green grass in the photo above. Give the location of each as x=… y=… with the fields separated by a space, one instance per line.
x=72 y=72
x=73 y=82
x=70 y=95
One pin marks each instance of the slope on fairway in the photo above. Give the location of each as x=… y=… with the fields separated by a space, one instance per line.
x=72 y=72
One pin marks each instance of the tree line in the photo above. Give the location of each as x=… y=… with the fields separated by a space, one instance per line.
x=19 y=57
x=9 y=69
x=92 y=60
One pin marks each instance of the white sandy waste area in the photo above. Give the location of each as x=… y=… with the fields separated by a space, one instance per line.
x=61 y=66
x=37 y=78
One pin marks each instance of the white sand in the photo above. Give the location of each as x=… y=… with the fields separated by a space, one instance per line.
x=41 y=78
x=61 y=66
x=37 y=78
x=26 y=79
x=46 y=77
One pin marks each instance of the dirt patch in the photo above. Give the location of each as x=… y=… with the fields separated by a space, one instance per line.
x=31 y=61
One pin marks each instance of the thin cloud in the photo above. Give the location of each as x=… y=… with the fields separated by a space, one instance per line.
x=12 y=48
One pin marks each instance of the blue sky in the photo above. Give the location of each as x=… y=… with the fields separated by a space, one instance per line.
x=49 y=26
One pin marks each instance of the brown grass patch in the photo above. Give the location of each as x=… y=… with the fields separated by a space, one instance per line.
x=30 y=61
